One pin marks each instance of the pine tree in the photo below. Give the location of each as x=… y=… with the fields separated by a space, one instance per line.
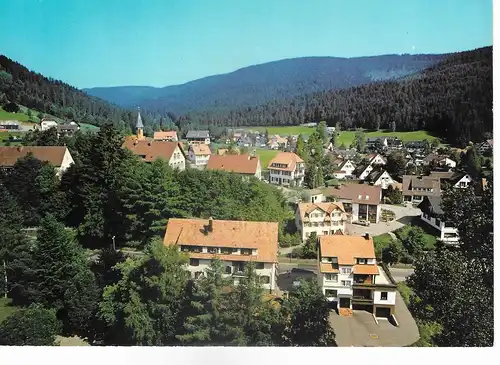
x=145 y=307
x=59 y=277
x=209 y=323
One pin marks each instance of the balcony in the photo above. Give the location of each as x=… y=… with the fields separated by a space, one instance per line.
x=362 y=296
x=362 y=280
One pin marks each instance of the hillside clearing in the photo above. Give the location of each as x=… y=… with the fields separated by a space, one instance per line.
x=6 y=309
x=346 y=137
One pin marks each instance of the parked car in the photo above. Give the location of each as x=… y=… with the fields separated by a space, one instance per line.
x=363 y=222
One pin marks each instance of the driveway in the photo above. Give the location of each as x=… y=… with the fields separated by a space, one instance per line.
x=403 y=215
x=361 y=330
x=400 y=274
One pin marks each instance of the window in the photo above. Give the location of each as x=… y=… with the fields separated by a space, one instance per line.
x=194 y=262
x=330 y=293
x=228 y=269
x=212 y=250
x=246 y=251
x=331 y=277
x=346 y=283
x=265 y=279
x=463 y=184
x=259 y=265
x=383 y=295
x=226 y=251
x=361 y=261
x=346 y=270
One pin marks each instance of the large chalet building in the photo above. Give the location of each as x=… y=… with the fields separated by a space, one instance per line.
x=235 y=243
x=244 y=165
x=287 y=169
x=322 y=218
x=350 y=277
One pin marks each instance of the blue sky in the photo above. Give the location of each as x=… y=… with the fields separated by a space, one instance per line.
x=164 y=42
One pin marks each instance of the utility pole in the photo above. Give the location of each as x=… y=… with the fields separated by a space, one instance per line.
x=5 y=274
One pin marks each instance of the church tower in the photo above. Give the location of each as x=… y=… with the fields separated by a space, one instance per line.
x=139 y=127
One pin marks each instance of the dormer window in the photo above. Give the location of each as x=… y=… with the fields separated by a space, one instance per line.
x=246 y=251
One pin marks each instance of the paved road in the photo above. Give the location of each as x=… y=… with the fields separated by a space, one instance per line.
x=400 y=274
x=403 y=215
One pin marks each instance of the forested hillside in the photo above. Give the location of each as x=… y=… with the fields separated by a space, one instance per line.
x=35 y=91
x=452 y=99
x=254 y=85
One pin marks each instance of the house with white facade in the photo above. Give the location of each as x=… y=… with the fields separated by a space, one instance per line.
x=439 y=160
x=460 y=180
x=286 y=168
x=376 y=159
x=486 y=146
x=433 y=215
x=235 y=243
x=46 y=124
x=322 y=218
x=350 y=277
x=360 y=201
x=381 y=178
x=199 y=154
x=149 y=151
x=345 y=169
x=57 y=156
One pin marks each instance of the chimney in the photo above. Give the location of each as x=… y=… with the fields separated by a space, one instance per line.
x=367 y=236
x=210 y=224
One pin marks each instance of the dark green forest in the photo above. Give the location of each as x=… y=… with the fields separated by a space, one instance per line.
x=452 y=99
x=46 y=95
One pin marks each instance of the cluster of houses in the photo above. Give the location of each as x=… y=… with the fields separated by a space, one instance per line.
x=349 y=274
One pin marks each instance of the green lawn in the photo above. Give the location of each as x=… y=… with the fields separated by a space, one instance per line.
x=6 y=309
x=84 y=127
x=13 y=116
x=265 y=156
x=346 y=137
x=380 y=242
x=286 y=130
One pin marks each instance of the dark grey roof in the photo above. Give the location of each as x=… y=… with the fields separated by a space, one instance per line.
x=198 y=134
x=374 y=139
x=434 y=203
x=68 y=127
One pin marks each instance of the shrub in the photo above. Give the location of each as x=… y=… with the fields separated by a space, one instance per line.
x=34 y=326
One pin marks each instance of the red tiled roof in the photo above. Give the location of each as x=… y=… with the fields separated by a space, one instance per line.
x=152 y=150
x=240 y=164
x=51 y=154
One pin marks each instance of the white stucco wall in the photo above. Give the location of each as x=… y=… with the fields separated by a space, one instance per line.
x=66 y=162
x=177 y=160
x=268 y=270
x=443 y=230
x=391 y=297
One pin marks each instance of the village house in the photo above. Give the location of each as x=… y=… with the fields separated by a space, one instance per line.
x=350 y=277
x=244 y=165
x=376 y=159
x=433 y=215
x=439 y=160
x=286 y=168
x=394 y=143
x=276 y=142
x=57 y=156
x=415 y=188
x=67 y=129
x=371 y=142
x=343 y=153
x=169 y=136
x=235 y=243
x=199 y=154
x=361 y=201
x=322 y=218
x=149 y=151
x=46 y=124
x=381 y=178
x=415 y=146
x=345 y=169
x=198 y=137
x=486 y=146
x=460 y=180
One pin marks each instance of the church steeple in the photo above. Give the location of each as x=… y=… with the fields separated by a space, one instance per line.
x=139 y=126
